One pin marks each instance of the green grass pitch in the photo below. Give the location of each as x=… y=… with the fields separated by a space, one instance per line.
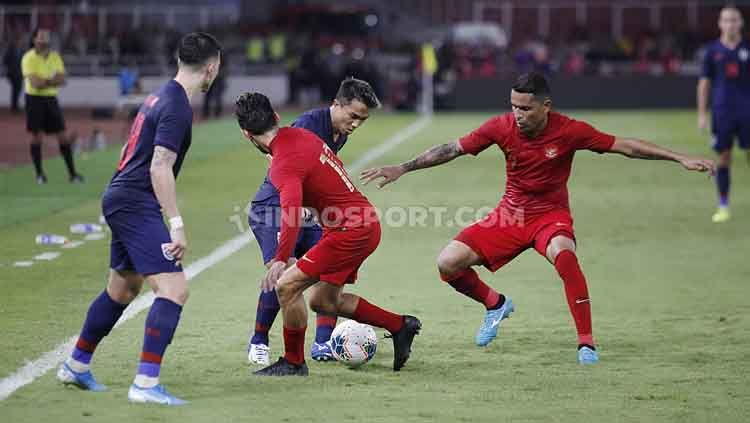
x=669 y=294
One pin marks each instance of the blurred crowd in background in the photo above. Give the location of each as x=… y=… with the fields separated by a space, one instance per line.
x=318 y=45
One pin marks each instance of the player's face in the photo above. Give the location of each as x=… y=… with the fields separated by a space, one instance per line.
x=41 y=41
x=346 y=118
x=210 y=72
x=530 y=113
x=730 y=22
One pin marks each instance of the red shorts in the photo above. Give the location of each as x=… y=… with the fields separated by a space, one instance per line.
x=499 y=237
x=338 y=255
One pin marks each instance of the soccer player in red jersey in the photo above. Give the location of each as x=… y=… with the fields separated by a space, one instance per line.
x=307 y=173
x=539 y=146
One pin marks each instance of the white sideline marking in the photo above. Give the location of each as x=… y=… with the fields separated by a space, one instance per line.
x=48 y=256
x=32 y=370
x=23 y=264
x=96 y=236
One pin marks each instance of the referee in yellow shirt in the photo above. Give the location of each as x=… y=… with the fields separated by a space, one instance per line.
x=44 y=73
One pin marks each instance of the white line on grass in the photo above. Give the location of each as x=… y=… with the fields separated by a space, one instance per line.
x=51 y=359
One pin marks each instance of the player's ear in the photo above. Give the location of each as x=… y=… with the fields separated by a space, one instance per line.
x=246 y=133
x=278 y=118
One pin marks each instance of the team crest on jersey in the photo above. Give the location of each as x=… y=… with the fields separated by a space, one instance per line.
x=550 y=152
x=718 y=56
x=165 y=252
x=743 y=54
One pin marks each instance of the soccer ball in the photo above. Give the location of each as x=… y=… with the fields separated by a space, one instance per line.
x=353 y=343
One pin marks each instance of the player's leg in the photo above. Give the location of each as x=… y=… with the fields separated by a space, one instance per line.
x=145 y=235
x=123 y=286
x=330 y=298
x=555 y=240
x=171 y=290
x=290 y=289
x=35 y=125
x=56 y=125
x=266 y=233
x=491 y=242
x=723 y=130
x=324 y=322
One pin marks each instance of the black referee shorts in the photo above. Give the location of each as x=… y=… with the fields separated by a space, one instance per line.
x=43 y=114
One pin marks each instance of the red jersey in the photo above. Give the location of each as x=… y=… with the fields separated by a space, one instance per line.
x=308 y=174
x=537 y=170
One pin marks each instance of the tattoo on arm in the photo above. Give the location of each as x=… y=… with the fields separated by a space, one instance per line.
x=436 y=155
x=163 y=157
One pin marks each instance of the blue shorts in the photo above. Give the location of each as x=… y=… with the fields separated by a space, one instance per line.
x=138 y=242
x=267 y=233
x=725 y=126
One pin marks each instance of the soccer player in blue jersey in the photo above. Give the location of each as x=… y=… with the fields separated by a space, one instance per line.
x=142 y=246
x=333 y=125
x=726 y=78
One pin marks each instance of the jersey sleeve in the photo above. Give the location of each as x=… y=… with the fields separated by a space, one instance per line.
x=589 y=138
x=27 y=65
x=59 y=65
x=172 y=127
x=707 y=66
x=479 y=139
x=287 y=174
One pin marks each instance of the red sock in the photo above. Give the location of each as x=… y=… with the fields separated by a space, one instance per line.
x=294 y=345
x=468 y=283
x=577 y=294
x=376 y=316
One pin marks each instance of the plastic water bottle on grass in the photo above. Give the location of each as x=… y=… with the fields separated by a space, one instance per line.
x=50 y=239
x=85 y=228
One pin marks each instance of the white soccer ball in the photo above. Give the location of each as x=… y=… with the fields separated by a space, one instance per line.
x=353 y=343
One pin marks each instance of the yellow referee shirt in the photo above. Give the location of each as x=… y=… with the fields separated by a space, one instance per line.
x=43 y=67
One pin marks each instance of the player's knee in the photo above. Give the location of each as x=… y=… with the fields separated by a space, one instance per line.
x=725 y=158
x=449 y=263
x=286 y=293
x=319 y=304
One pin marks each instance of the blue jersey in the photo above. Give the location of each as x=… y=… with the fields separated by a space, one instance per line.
x=165 y=119
x=317 y=121
x=729 y=73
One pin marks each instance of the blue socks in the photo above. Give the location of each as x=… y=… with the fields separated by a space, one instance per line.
x=722 y=182
x=161 y=324
x=268 y=308
x=101 y=318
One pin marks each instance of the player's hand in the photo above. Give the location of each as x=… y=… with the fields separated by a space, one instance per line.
x=178 y=247
x=275 y=270
x=702 y=121
x=699 y=164
x=388 y=173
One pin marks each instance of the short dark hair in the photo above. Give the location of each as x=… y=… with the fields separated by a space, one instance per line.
x=197 y=48
x=255 y=113
x=34 y=33
x=533 y=83
x=356 y=89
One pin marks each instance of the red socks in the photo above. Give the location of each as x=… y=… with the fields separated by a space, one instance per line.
x=468 y=283
x=577 y=294
x=376 y=316
x=294 y=345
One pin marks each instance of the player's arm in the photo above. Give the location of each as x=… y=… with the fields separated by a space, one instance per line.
x=639 y=149
x=702 y=96
x=287 y=175
x=162 y=179
x=435 y=156
x=29 y=72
